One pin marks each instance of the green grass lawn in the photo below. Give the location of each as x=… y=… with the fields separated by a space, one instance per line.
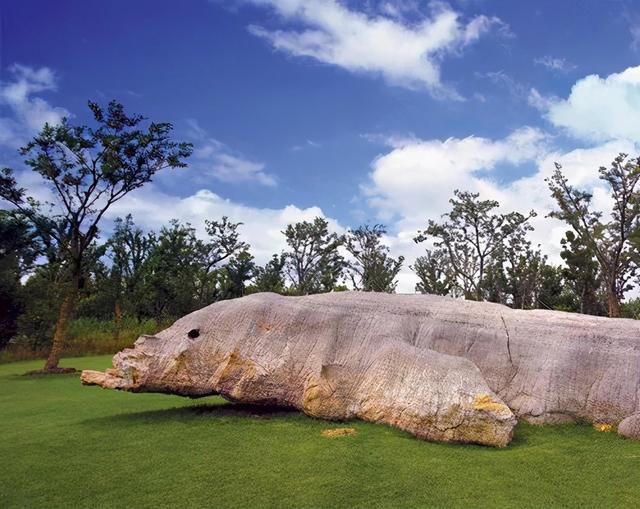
x=65 y=445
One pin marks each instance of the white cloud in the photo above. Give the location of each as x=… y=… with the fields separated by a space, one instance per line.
x=480 y=97
x=601 y=109
x=407 y=55
x=27 y=112
x=633 y=22
x=634 y=31
x=306 y=144
x=519 y=90
x=400 y=9
x=152 y=209
x=555 y=64
x=408 y=184
x=214 y=158
x=401 y=178
x=539 y=101
x=516 y=89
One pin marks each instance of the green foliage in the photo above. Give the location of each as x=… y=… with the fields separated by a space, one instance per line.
x=583 y=275
x=19 y=248
x=87 y=336
x=136 y=275
x=270 y=278
x=41 y=295
x=173 y=279
x=66 y=445
x=11 y=304
x=553 y=291
x=436 y=274
x=522 y=266
x=128 y=250
x=514 y=274
x=312 y=263
x=89 y=169
x=237 y=273
x=477 y=252
x=182 y=273
x=631 y=309
x=223 y=246
x=472 y=237
x=371 y=268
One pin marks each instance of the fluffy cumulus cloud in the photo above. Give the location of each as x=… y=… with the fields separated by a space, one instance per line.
x=420 y=175
x=380 y=43
x=213 y=158
x=23 y=111
x=601 y=109
x=261 y=227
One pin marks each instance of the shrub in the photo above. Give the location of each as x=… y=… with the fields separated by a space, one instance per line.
x=87 y=336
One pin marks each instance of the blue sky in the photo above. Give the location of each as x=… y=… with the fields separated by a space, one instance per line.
x=370 y=110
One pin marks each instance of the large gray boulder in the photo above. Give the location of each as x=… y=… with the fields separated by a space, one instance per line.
x=439 y=368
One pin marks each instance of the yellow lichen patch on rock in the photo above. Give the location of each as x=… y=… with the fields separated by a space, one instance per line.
x=603 y=427
x=338 y=432
x=487 y=403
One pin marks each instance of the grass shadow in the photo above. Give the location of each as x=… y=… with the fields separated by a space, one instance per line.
x=187 y=413
x=36 y=375
x=41 y=373
x=247 y=411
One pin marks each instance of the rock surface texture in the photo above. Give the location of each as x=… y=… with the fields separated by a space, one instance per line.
x=630 y=427
x=439 y=368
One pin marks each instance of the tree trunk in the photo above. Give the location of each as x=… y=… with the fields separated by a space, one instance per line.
x=612 y=299
x=62 y=325
x=613 y=304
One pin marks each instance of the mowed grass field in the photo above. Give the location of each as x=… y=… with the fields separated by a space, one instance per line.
x=65 y=445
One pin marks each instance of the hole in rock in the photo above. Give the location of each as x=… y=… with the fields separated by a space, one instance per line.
x=193 y=333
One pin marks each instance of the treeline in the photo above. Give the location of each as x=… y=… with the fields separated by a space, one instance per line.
x=166 y=274
x=54 y=266
x=480 y=254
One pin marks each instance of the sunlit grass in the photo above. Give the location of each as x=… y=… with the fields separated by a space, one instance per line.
x=65 y=445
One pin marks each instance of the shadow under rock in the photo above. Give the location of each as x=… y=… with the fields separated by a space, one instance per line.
x=195 y=412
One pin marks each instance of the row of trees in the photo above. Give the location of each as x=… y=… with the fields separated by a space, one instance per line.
x=481 y=254
x=172 y=272
x=53 y=265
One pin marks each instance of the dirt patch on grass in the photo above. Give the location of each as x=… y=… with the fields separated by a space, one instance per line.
x=338 y=432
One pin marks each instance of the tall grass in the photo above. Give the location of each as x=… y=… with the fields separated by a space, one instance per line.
x=89 y=336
